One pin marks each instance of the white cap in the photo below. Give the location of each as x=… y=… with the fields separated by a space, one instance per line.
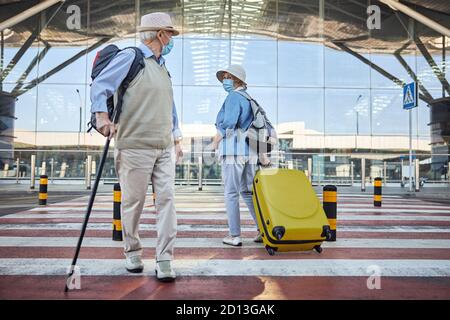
x=234 y=69
x=157 y=21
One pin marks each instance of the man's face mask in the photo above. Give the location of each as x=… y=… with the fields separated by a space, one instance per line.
x=228 y=85
x=166 y=48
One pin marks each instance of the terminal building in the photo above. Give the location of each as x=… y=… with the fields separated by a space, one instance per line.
x=329 y=73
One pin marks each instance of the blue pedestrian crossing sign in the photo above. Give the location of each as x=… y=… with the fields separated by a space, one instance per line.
x=409 y=96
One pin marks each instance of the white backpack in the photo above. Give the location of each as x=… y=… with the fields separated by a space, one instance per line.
x=261 y=135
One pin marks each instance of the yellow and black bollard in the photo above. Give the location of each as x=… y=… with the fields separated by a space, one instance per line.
x=43 y=182
x=117 y=223
x=330 y=208
x=377 y=192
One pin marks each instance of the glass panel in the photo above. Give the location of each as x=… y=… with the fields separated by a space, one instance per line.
x=202 y=59
x=259 y=58
x=346 y=19
x=20 y=57
x=389 y=63
x=344 y=70
x=425 y=71
x=206 y=18
x=115 y=18
x=25 y=109
x=295 y=108
x=200 y=106
x=177 y=91
x=256 y=19
x=388 y=115
x=60 y=108
x=299 y=20
x=347 y=111
x=56 y=60
x=70 y=25
x=300 y=64
x=174 y=61
x=267 y=98
x=24 y=139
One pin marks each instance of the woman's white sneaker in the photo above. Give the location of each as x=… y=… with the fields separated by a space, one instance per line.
x=232 y=241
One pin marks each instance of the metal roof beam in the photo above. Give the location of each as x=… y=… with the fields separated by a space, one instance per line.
x=396 y=5
x=377 y=68
x=436 y=70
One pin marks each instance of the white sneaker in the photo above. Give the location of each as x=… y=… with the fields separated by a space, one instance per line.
x=164 y=271
x=232 y=241
x=258 y=238
x=134 y=264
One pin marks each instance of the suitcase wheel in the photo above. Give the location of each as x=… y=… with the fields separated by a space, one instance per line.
x=278 y=232
x=270 y=250
x=318 y=249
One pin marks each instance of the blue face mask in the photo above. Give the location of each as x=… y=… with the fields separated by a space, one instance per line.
x=228 y=85
x=167 y=48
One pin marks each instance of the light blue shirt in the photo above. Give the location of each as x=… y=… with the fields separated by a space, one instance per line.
x=232 y=122
x=110 y=78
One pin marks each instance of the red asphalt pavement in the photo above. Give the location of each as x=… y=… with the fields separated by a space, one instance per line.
x=32 y=249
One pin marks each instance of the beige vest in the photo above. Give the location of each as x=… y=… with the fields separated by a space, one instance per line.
x=146 y=118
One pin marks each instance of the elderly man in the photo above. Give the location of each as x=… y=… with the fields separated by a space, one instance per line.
x=146 y=140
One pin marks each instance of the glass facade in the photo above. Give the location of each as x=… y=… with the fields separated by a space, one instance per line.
x=322 y=99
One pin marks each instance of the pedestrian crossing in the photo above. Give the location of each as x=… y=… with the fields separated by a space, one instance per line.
x=405 y=239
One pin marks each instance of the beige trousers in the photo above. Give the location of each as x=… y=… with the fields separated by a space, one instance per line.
x=135 y=167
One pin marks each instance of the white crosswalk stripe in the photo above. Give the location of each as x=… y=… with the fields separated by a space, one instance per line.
x=231 y=267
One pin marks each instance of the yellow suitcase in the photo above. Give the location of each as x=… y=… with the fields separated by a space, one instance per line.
x=290 y=216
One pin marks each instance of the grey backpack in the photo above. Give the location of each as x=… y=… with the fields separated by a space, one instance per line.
x=261 y=135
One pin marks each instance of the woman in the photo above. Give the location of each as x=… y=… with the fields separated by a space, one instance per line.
x=238 y=160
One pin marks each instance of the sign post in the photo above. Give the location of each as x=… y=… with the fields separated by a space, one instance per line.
x=410 y=102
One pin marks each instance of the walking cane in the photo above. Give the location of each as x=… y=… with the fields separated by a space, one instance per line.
x=91 y=203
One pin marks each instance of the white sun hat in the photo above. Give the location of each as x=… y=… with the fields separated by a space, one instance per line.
x=157 y=21
x=234 y=69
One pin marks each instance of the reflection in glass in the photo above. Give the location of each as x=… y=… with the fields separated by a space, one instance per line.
x=201 y=104
x=202 y=59
x=267 y=98
x=344 y=70
x=347 y=111
x=425 y=72
x=302 y=107
x=390 y=63
x=299 y=20
x=25 y=110
x=206 y=19
x=300 y=64
x=388 y=116
x=259 y=58
x=60 y=108
x=174 y=61
x=254 y=19
x=115 y=18
x=20 y=53
x=346 y=19
x=57 y=58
